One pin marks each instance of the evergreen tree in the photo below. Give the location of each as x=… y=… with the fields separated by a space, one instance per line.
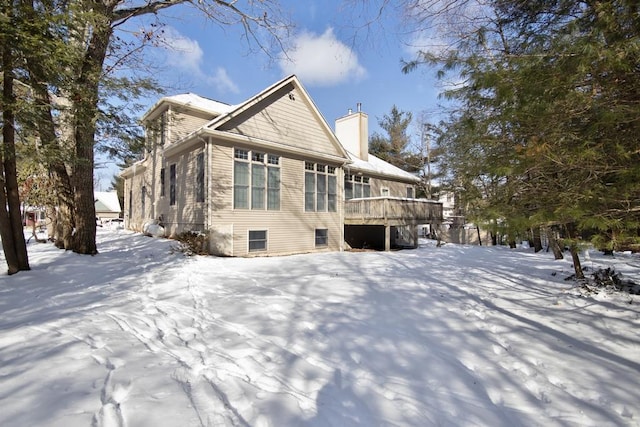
x=549 y=116
x=393 y=147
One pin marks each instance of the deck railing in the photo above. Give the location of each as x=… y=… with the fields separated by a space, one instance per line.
x=393 y=208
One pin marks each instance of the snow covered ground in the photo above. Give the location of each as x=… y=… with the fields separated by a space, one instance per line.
x=450 y=336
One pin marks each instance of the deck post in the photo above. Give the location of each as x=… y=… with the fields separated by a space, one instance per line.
x=387 y=237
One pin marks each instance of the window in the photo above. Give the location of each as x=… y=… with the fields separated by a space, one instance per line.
x=309 y=191
x=200 y=177
x=384 y=192
x=261 y=175
x=366 y=187
x=162 y=192
x=257 y=240
x=241 y=185
x=322 y=238
x=320 y=188
x=273 y=188
x=257 y=186
x=409 y=192
x=172 y=184
x=142 y=202
x=356 y=186
x=332 y=193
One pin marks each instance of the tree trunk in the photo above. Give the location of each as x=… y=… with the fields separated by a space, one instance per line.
x=85 y=114
x=52 y=224
x=6 y=234
x=512 y=243
x=577 y=267
x=553 y=243
x=479 y=238
x=537 y=241
x=16 y=248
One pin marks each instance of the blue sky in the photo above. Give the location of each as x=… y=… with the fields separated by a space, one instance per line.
x=338 y=65
x=338 y=62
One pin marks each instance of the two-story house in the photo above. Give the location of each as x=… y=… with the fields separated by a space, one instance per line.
x=268 y=176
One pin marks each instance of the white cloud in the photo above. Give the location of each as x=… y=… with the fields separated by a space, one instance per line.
x=223 y=82
x=185 y=52
x=187 y=55
x=322 y=60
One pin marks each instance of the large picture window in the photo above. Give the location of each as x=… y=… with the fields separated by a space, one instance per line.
x=256 y=180
x=356 y=187
x=320 y=188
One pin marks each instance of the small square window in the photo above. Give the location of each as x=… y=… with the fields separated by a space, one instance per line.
x=257 y=157
x=331 y=169
x=273 y=160
x=309 y=166
x=322 y=237
x=365 y=179
x=358 y=179
x=241 y=154
x=257 y=240
x=320 y=168
x=348 y=177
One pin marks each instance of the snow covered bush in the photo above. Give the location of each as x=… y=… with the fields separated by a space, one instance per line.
x=153 y=228
x=192 y=243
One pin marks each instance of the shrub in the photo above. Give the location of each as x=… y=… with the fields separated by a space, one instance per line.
x=192 y=243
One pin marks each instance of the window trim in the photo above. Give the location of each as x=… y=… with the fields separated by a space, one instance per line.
x=269 y=162
x=411 y=190
x=325 y=238
x=358 y=186
x=318 y=170
x=266 y=240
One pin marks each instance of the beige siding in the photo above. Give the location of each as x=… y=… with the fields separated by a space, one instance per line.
x=289 y=230
x=291 y=122
x=135 y=215
x=186 y=214
x=182 y=123
x=396 y=189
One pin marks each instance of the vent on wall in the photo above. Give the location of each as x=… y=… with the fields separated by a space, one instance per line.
x=292 y=96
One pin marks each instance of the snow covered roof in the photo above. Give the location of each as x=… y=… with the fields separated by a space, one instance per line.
x=200 y=103
x=107 y=201
x=193 y=101
x=380 y=167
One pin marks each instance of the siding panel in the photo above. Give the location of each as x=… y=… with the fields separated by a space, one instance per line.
x=290 y=230
x=291 y=122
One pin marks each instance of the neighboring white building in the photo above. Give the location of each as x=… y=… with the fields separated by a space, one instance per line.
x=107 y=205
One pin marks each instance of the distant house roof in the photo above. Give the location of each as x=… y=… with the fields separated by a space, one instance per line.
x=107 y=201
x=380 y=167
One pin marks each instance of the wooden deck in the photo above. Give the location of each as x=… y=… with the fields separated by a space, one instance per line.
x=391 y=211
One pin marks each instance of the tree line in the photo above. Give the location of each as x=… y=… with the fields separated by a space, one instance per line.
x=64 y=89
x=545 y=133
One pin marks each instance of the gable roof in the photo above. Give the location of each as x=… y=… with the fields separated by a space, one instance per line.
x=106 y=201
x=220 y=126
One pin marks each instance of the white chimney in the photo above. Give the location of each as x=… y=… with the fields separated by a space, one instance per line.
x=352 y=131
